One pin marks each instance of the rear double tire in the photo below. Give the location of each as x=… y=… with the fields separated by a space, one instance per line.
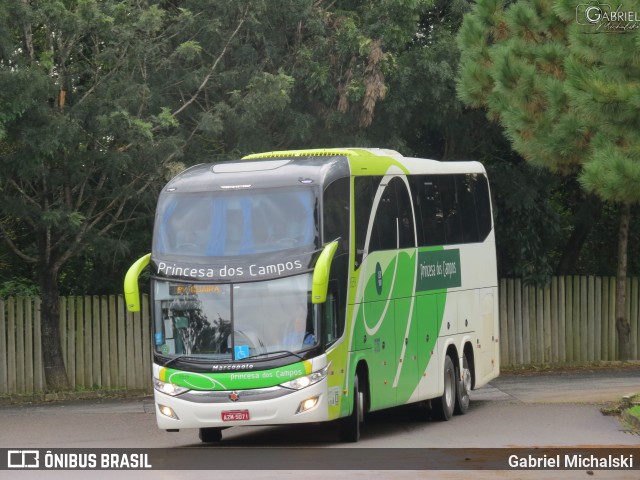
x=463 y=387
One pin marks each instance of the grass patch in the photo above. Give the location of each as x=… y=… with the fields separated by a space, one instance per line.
x=635 y=411
x=630 y=412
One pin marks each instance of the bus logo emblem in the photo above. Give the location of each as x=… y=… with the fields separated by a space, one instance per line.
x=378 y=278
x=233 y=396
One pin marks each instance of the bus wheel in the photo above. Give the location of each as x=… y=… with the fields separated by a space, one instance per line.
x=444 y=405
x=350 y=426
x=463 y=387
x=210 y=435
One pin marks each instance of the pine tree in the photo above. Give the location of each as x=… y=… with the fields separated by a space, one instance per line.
x=566 y=93
x=603 y=85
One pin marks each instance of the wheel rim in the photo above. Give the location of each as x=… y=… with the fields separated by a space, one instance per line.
x=466 y=382
x=448 y=388
x=463 y=387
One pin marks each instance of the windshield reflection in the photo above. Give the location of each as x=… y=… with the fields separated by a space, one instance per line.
x=226 y=223
x=268 y=318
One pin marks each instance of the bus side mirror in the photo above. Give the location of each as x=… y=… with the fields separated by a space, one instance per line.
x=131 y=292
x=320 y=282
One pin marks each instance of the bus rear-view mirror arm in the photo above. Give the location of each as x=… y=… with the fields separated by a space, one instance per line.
x=320 y=283
x=131 y=291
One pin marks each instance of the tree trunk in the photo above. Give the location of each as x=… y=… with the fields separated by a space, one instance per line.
x=54 y=369
x=622 y=323
x=587 y=214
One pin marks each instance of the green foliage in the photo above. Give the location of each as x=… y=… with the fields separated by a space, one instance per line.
x=566 y=92
x=566 y=97
x=613 y=170
x=101 y=99
x=79 y=154
x=151 y=88
x=18 y=287
x=512 y=63
x=599 y=255
x=529 y=220
x=602 y=83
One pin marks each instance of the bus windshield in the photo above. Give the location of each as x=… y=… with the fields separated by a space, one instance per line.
x=234 y=223
x=233 y=321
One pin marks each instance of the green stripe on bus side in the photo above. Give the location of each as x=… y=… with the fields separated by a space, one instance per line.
x=240 y=380
x=395 y=310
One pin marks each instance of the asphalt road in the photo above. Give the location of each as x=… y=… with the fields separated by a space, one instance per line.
x=555 y=409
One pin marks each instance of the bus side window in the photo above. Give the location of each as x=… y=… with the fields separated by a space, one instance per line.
x=429 y=213
x=483 y=206
x=406 y=227
x=466 y=187
x=384 y=234
x=363 y=202
x=449 y=199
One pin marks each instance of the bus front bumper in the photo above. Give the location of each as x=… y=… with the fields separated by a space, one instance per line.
x=274 y=406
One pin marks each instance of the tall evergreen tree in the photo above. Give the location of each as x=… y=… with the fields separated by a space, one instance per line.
x=566 y=100
x=603 y=73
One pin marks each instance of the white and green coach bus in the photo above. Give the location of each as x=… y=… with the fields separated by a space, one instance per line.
x=317 y=285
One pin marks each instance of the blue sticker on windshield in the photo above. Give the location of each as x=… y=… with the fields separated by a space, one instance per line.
x=159 y=338
x=241 y=351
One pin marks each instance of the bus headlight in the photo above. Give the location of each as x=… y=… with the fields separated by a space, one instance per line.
x=168 y=388
x=307 y=404
x=167 y=411
x=303 y=382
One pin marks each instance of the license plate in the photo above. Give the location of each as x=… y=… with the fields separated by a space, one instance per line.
x=235 y=416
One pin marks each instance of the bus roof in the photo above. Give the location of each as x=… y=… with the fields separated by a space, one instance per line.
x=364 y=161
x=279 y=168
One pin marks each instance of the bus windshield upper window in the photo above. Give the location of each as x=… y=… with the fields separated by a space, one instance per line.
x=236 y=223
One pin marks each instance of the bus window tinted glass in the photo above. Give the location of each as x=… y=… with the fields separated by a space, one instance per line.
x=450 y=209
x=483 y=206
x=384 y=232
x=429 y=215
x=336 y=212
x=467 y=207
x=363 y=193
x=406 y=227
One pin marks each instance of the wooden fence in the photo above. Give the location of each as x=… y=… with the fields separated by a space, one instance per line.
x=569 y=321
x=104 y=346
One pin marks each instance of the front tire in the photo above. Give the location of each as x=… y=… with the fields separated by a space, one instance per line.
x=443 y=406
x=350 y=426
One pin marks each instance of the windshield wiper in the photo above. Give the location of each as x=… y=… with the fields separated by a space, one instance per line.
x=275 y=352
x=173 y=360
x=184 y=356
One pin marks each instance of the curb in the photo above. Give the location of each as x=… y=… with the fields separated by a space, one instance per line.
x=43 y=398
